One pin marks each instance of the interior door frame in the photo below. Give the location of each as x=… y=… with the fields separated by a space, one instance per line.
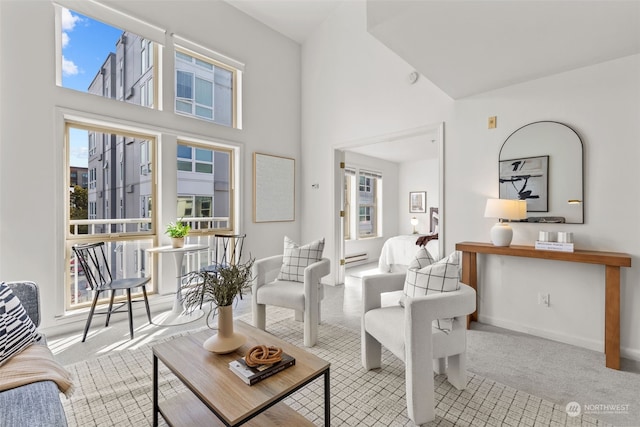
x=338 y=199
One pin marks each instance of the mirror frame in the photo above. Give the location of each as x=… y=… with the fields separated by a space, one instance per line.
x=582 y=164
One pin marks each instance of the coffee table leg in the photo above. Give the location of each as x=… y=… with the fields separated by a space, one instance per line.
x=327 y=402
x=155 y=391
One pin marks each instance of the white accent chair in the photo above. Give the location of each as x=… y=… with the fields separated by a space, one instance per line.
x=303 y=297
x=408 y=333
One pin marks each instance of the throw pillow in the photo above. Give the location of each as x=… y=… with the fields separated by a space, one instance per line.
x=436 y=277
x=17 y=331
x=296 y=258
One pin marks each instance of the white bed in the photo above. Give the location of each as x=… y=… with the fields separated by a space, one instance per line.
x=399 y=251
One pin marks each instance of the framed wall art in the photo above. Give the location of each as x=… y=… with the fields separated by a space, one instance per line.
x=273 y=188
x=417 y=202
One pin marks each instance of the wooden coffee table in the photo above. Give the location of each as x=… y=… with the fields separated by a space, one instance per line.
x=213 y=388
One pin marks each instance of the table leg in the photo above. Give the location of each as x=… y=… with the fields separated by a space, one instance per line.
x=177 y=304
x=327 y=400
x=155 y=391
x=470 y=277
x=612 y=317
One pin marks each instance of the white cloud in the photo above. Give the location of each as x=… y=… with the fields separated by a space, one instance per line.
x=69 y=20
x=65 y=40
x=68 y=67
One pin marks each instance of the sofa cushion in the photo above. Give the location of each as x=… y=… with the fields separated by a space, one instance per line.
x=296 y=258
x=436 y=277
x=17 y=331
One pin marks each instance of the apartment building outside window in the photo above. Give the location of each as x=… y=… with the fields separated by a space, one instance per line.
x=362 y=207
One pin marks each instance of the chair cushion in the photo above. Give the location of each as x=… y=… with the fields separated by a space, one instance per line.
x=17 y=330
x=296 y=258
x=436 y=277
x=282 y=293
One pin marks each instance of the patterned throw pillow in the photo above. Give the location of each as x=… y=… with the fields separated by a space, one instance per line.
x=17 y=331
x=440 y=276
x=296 y=258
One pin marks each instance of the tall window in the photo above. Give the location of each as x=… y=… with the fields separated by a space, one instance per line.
x=204 y=186
x=204 y=88
x=363 y=203
x=116 y=204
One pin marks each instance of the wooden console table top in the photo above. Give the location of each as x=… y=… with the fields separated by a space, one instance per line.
x=612 y=262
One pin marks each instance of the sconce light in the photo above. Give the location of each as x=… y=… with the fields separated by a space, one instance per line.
x=414 y=222
x=502 y=233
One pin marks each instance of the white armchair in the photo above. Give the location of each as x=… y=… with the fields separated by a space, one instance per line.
x=305 y=298
x=408 y=333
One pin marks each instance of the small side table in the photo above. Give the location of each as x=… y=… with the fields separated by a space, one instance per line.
x=177 y=315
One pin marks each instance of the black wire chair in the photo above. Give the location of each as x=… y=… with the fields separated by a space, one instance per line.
x=227 y=251
x=93 y=262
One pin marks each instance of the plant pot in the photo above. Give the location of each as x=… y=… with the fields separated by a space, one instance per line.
x=225 y=341
x=177 y=242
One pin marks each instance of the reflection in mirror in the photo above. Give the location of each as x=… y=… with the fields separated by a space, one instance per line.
x=542 y=163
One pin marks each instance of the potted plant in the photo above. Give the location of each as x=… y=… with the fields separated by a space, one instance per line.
x=221 y=287
x=177 y=231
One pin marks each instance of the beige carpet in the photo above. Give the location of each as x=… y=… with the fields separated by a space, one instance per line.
x=116 y=390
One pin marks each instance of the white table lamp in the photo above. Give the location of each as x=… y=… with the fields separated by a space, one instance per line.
x=504 y=209
x=414 y=222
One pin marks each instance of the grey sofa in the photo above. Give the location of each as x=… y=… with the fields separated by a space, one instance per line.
x=36 y=404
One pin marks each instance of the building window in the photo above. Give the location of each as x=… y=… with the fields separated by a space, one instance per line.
x=204 y=88
x=204 y=186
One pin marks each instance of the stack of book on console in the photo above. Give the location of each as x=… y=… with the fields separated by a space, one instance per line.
x=554 y=246
x=252 y=375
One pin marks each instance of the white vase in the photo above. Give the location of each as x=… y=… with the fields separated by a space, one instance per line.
x=226 y=340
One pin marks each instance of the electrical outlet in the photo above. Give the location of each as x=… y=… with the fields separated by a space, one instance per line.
x=544 y=299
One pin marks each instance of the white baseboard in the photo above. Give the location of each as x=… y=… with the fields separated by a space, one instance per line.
x=595 y=345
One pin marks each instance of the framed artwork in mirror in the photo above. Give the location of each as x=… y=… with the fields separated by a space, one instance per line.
x=417 y=202
x=527 y=179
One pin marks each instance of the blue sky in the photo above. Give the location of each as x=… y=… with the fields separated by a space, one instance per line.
x=85 y=46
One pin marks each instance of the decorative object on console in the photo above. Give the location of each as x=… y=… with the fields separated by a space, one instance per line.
x=221 y=286
x=502 y=233
x=414 y=222
x=417 y=202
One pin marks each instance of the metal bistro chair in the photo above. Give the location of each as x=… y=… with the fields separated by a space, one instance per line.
x=94 y=263
x=227 y=251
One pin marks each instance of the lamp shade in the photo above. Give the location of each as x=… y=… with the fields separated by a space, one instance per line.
x=414 y=221
x=506 y=209
x=501 y=233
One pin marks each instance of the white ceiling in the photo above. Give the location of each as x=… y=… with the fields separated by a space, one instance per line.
x=466 y=47
x=295 y=19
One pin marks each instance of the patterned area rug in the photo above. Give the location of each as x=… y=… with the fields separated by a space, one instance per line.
x=116 y=390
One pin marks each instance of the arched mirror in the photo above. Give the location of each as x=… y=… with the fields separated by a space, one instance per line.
x=542 y=163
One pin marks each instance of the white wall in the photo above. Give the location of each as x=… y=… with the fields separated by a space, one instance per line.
x=353 y=88
x=390 y=184
x=32 y=183
x=419 y=175
x=602 y=104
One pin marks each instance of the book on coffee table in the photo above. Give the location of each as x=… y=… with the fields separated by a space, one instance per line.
x=252 y=375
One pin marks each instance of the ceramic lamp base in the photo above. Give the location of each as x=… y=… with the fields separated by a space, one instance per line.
x=501 y=234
